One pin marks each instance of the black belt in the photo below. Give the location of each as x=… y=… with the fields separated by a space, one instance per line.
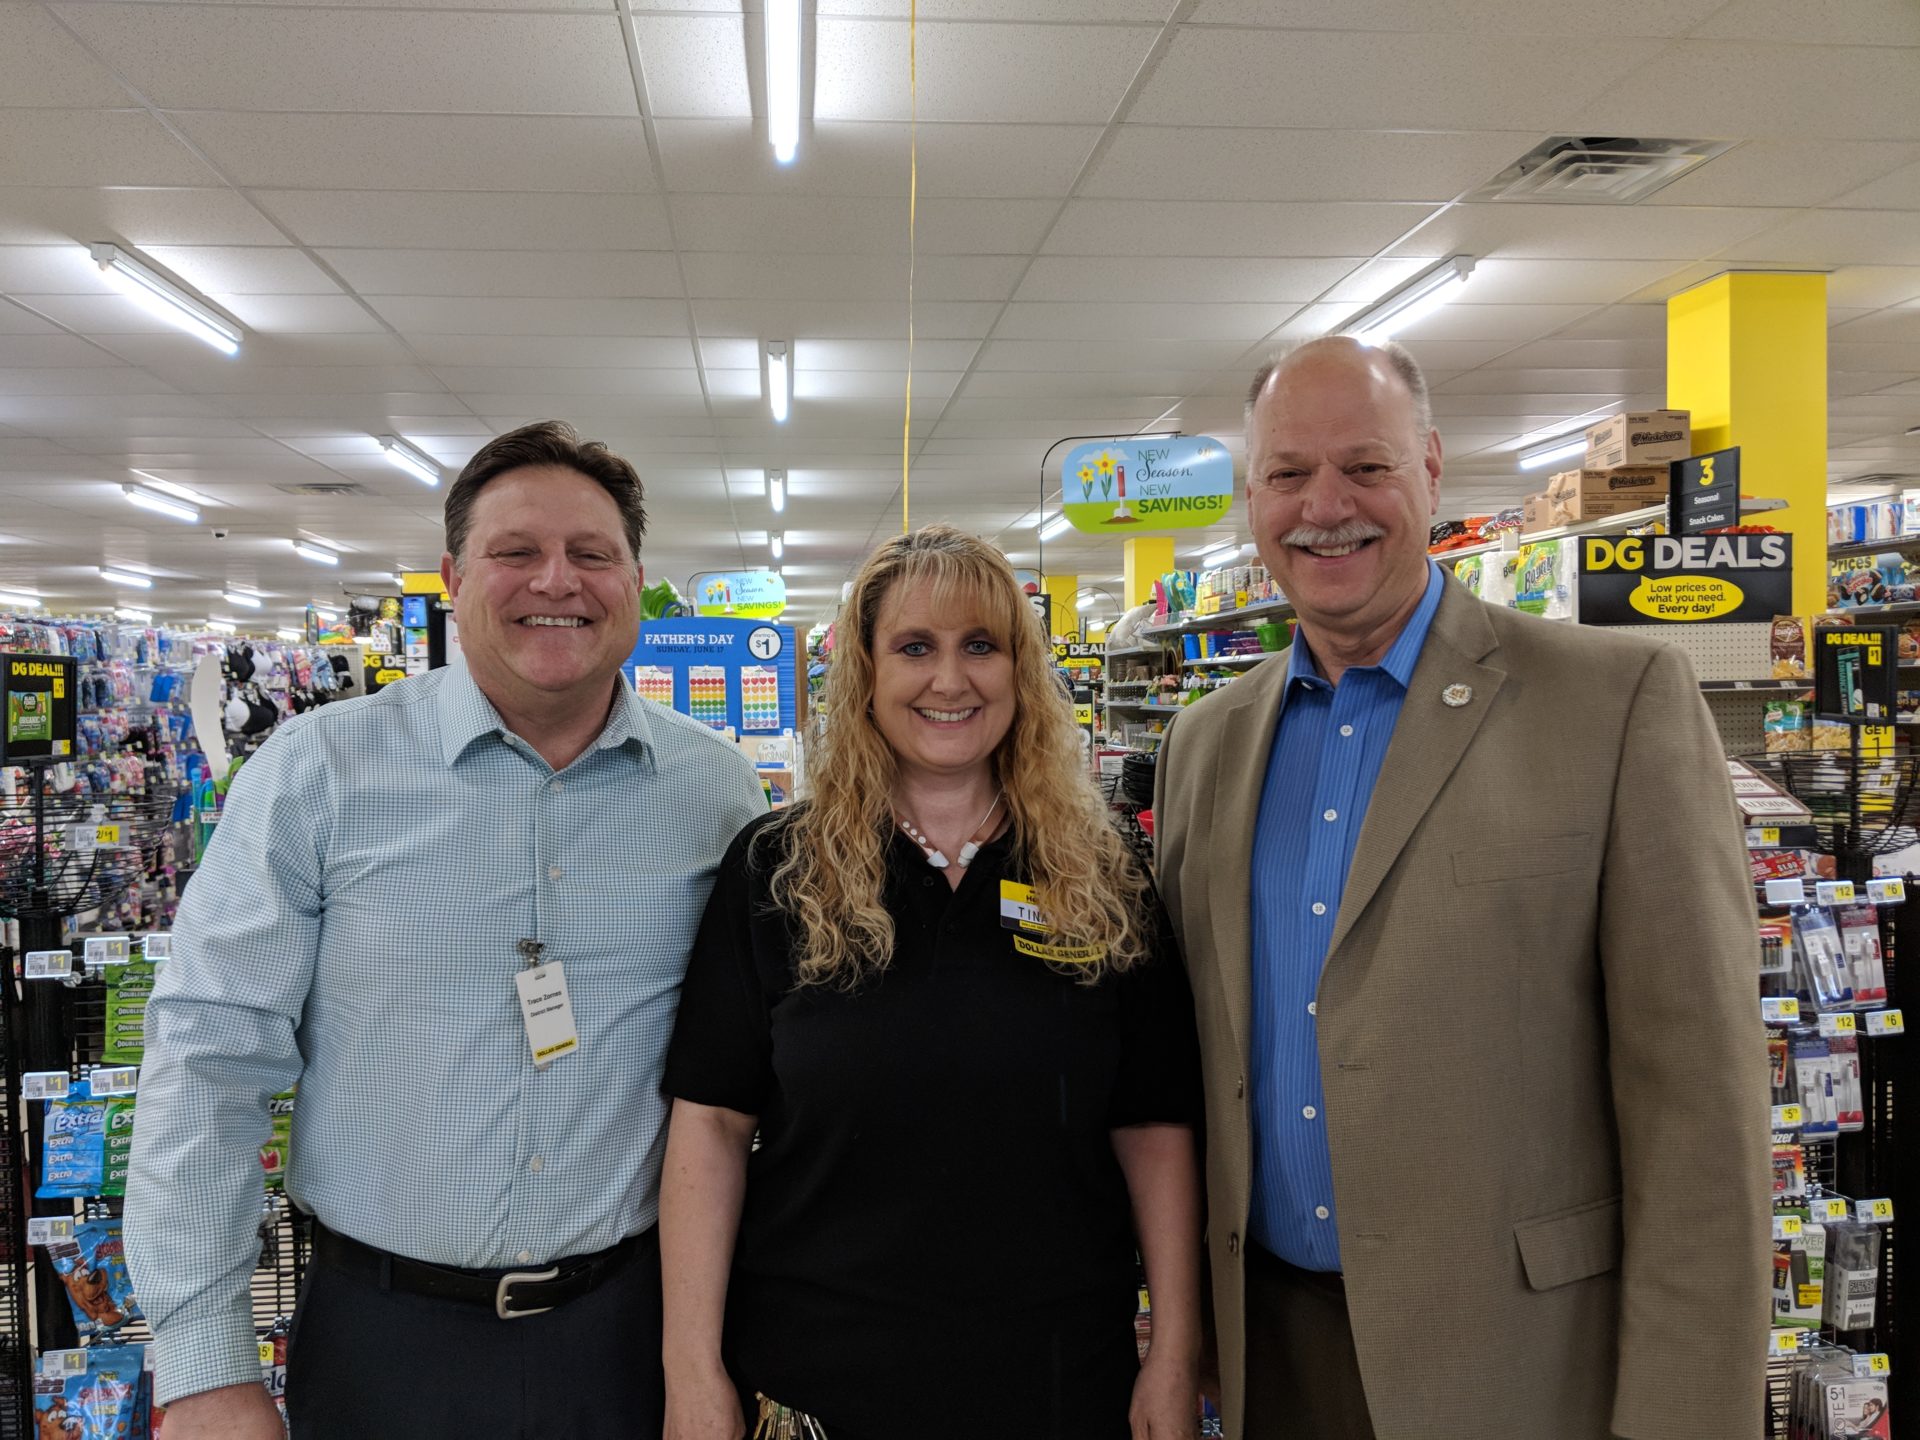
x=1264 y=1262
x=510 y=1294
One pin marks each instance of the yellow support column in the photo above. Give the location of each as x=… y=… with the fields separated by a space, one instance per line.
x=1062 y=589
x=1148 y=558
x=1747 y=354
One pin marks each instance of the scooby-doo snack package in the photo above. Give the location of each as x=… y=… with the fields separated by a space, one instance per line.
x=93 y=1267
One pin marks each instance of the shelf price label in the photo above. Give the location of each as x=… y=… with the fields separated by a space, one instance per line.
x=106 y=950
x=120 y=1080
x=1832 y=1209
x=1833 y=1026
x=49 y=964
x=1833 y=892
x=1766 y=837
x=45 y=1085
x=1781 y=1009
x=45 y=1229
x=1783 y=1342
x=1873 y=1212
x=1874 y=1364
x=57 y=1363
x=1786 y=1227
x=1889 y=890
x=1886 y=1022
x=266 y=1354
x=1788 y=1117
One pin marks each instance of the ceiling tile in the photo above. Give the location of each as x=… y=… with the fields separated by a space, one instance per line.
x=133 y=217
x=1103 y=11
x=1453 y=81
x=1784 y=172
x=1491 y=17
x=1821 y=238
x=1027 y=320
x=731 y=156
x=888 y=356
x=1190 y=279
x=930 y=387
x=1151 y=162
x=851 y=277
x=612 y=351
x=42 y=64
x=819 y=224
x=1858 y=22
x=1139 y=353
x=553 y=380
x=373 y=219
x=479 y=315
x=297 y=314
x=227 y=57
x=209 y=377
x=695 y=64
x=1899 y=190
x=78 y=380
x=1475 y=321
x=53 y=270
x=1753 y=89
x=1586 y=232
x=1552 y=382
x=426 y=152
x=502 y=274
x=1900 y=325
x=1231 y=228
x=92 y=147
x=846 y=319
x=1023 y=74
x=262 y=351
x=1871 y=287
x=1547 y=282
x=51 y=351
x=244 y=270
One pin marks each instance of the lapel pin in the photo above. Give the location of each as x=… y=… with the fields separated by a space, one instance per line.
x=1456 y=695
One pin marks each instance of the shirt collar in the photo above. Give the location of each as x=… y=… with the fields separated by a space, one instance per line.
x=1401 y=656
x=466 y=715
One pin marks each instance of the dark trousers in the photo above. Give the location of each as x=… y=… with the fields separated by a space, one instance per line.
x=367 y=1363
x=1303 y=1375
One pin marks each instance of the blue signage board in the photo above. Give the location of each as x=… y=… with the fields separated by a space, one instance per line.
x=1120 y=487
x=721 y=672
x=741 y=594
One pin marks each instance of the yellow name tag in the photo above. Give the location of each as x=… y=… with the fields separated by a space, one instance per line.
x=1059 y=954
x=1018 y=910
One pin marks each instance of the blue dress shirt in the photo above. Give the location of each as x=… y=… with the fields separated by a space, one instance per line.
x=1327 y=752
x=354 y=929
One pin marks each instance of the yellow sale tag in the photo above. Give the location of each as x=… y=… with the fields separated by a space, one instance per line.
x=1769 y=835
x=1784 y=1342
x=1885 y=1022
x=1877 y=1363
x=1841 y=1024
x=1833 y=1209
x=107 y=835
x=1788 y=1117
x=266 y=1353
x=1879 y=1212
x=1785 y=1227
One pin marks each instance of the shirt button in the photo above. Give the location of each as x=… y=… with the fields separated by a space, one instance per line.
x=1320 y=1212
x=927 y=880
x=536 y=1165
x=558 y=783
x=1308 y=1111
x=1313 y=1007
x=525 y=1257
x=1318 y=908
x=1329 y=814
x=1233 y=1244
x=1346 y=732
x=1240 y=1087
x=553 y=872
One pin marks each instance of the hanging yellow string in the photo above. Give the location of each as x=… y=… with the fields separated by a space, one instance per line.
x=913 y=217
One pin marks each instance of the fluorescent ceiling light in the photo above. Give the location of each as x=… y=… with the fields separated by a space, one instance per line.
x=240 y=597
x=225 y=627
x=165 y=300
x=415 y=462
x=1220 y=551
x=19 y=599
x=783 y=78
x=307 y=550
x=778 y=391
x=127 y=612
x=777 y=543
x=126 y=577
x=1085 y=602
x=295 y=635
x=1564 y=447
x=160 y=504
x=1412 y=302
x=777 y=490
x=167 y=487
x=1057 y=526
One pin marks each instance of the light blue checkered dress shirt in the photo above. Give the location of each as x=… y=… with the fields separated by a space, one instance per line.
x=353 y=929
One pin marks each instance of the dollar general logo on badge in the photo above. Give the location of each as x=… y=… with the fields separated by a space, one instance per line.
x=1018 y=910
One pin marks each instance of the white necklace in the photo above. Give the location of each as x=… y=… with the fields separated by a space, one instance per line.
x=937 y=858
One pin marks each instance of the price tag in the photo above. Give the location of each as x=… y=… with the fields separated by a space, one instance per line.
x=106 y=950
x=45 y=1085
x=1785 y=1227
x=1788 y=1117
x=120 y=1080
x=1790 y=891
x=1874 y=1364
x=1890 y=890
x=157 y=946
x=1833 y=1208
x=49 y=964
x=1886 y=1022
x=1833 y=892
x=1836 y=1025
x=1873 y=1212
x=56 y=1363
x=1781 y=1009
x=1765 y=837
x=266 y=1354
x=1783 y=1342
x=45 y=1229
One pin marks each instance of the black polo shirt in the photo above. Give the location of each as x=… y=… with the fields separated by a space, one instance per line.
x=937 y=1240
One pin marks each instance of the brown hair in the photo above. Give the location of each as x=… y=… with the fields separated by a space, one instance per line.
x=545 y=442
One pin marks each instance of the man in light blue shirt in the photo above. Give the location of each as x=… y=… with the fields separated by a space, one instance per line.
x=386 y=873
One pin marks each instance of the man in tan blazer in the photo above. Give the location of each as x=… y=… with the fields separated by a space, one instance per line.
x=1472 y=940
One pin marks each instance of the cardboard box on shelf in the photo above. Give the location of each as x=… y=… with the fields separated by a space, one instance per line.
x=1533 y=513
x=1575 y=495
x=1639 y=437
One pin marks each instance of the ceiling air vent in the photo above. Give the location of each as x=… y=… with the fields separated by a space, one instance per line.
x=324 y=487
x=1598 y=170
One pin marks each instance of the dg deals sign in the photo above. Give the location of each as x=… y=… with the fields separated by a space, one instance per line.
x=1118 y=487
x=1674 y=580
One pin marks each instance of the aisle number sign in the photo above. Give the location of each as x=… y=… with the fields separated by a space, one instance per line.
x=1135 y=487
x=1670 y=580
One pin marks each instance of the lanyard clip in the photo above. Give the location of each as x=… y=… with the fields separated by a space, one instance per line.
x=531 y=951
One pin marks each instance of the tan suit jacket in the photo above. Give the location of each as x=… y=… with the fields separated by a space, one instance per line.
x=1539 y=1038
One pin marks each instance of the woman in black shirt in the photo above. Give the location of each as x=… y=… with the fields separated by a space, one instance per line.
x=943 y=994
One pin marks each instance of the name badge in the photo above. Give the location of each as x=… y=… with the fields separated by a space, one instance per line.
x=1017 y=909
x=548 y=1011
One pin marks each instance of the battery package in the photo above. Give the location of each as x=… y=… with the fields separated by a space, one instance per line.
x=1799 y=1274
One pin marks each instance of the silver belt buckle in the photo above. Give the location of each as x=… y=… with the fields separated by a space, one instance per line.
x=521 y=1277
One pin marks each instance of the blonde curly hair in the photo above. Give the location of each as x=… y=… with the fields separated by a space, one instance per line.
x=830 y=872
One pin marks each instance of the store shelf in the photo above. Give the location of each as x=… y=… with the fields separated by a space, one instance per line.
x=1610 y=525
x=1132 y=652
x=1900 y=544
x=1142 y=705
x=1241 y=619
x=1228 y=661
x=1768 y=685
x=1902 y=607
